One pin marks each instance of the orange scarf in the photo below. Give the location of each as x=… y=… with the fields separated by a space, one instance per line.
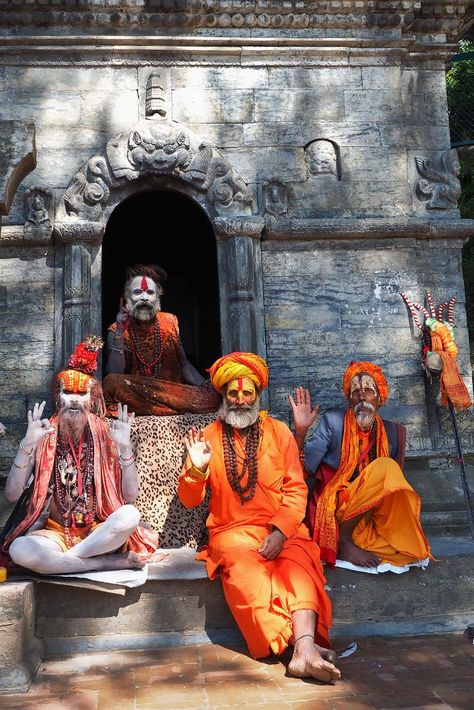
x=325 y=527
x=107 y=483
x=451 y=383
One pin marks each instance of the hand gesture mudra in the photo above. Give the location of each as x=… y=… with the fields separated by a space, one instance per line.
x=303 y=414
x=199 y=450
x=37 y=426
x=120 y=428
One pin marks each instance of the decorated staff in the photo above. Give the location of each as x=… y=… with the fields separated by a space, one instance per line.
x=439 y=355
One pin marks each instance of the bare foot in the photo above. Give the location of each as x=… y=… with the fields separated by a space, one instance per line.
x=122 y=560
x=348 y=551
x=312 y=661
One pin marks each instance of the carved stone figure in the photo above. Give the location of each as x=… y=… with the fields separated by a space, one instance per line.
x=88 y=191
x=439 y=183
x=321 y=158
x=156 y=149
x=38 y=223
x=155 y=101
x=275 y=199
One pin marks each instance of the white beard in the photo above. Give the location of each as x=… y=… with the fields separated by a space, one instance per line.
x=239 y=417
x=144 y=315
x=365 y=415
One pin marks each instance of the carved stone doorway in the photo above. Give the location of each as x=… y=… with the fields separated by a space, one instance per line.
x=167 y=228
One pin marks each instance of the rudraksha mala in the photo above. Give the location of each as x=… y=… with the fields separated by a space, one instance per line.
x=152 y=368
x=249 y=465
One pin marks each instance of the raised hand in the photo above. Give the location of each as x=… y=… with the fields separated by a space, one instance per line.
x=303 y=414
x=199 y=450
x=37 y=426
x=123 y=316
x=120 y=428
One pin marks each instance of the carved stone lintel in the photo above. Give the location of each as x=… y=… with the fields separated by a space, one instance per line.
x=74 y=232
x=439 y=184
x=239 y=227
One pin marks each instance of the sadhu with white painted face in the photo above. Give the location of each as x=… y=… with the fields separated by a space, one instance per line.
x=270 y=568
x=146 y=363
x=79 y=516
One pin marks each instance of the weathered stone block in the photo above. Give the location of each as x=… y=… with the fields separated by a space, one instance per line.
x=230 y=78
x=219 y=135
x=314 y=78
x=109 y=112
x=386 y=78
x=291 y=105
x=254 y=165
x=382 y=105
x=212 y=106
x=38 y=82
x=54 y=110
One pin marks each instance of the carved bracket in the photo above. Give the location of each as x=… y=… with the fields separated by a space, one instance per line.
x=239 y=227
x=439 y=184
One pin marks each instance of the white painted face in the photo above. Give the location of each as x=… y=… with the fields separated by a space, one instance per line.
x=75 y=400
x=143 y=298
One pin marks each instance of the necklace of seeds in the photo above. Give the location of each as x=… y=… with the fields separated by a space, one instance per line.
x=246 y=491
x=72 y=507
x=147 y=368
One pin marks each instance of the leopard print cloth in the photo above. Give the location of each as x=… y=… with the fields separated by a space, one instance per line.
x=159 y=454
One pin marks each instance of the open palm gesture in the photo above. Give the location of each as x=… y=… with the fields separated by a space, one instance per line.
x=199 y=450
x=303 y=414
x=37 y=426
x=121 y=427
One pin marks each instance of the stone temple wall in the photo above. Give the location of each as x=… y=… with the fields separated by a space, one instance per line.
x=337 y=187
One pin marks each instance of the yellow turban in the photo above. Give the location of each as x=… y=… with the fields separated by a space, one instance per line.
x=234 y=365
x=357 y=368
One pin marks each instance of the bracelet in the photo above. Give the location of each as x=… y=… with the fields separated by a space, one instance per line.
x=127 y=465
x=302 y=637
x=17 y=465
x=27 y=453
x=301 y=455
x=197 y=473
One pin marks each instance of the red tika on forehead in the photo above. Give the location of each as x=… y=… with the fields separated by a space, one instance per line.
x=144 y=284
x=240 y=385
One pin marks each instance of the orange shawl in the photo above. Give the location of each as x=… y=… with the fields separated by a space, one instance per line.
x=451 y=383
x=107 y=482
x=325 y=526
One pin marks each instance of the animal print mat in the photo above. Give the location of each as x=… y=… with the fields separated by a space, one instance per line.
x=159 y=455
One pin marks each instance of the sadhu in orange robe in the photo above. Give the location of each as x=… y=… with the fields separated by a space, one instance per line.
x=348 y=484
x=163 y=390
x=262 y=594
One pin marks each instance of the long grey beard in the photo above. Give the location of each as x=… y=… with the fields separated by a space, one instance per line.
x=365 y=415
x=146 y=315
x=72 y=422
x=239 y=417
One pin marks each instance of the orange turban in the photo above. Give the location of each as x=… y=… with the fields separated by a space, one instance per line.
x=357 y=368
x=234 y=365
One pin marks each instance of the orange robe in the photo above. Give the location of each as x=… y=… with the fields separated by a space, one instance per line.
x=166 y=392
x=262 y=594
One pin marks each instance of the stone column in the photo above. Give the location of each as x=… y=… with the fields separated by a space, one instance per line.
x=241 y=290
x=77 y=296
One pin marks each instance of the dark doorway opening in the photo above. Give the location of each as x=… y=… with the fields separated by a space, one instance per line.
x=166 y=228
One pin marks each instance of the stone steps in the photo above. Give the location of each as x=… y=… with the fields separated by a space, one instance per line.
x=178 y=605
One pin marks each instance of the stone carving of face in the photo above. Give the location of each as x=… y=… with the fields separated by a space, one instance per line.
x=320 y=157
x=364 y=400
x=143 y=298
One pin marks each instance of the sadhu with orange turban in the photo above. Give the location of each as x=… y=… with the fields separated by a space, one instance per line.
x=361 y=509
x=269 y=567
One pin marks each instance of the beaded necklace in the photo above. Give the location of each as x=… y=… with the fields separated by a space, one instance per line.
x=152 y=368
x=74 y=485
x=249 y=463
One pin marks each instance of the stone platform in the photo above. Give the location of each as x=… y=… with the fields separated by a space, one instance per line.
x=179 y=606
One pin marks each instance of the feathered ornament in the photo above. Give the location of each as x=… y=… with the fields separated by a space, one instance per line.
x=84 y=357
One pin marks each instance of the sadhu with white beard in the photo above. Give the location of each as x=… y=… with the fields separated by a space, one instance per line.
x=361 y=508
x=79 y=515
x=146 y=364
x=270 y=569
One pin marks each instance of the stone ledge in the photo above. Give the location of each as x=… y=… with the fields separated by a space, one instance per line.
x=368 y=228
